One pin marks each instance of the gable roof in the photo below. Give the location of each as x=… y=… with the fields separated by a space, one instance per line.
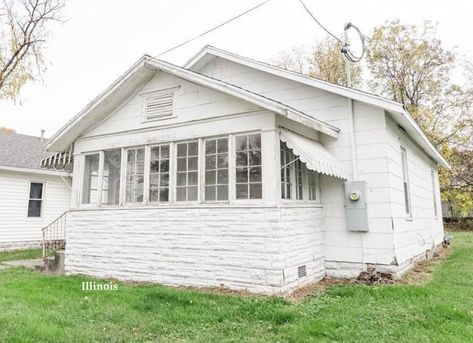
x=397 y=110
x=21 y=151
x=143 y=71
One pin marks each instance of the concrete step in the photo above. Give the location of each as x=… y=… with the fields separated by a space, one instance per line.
x=55 y=264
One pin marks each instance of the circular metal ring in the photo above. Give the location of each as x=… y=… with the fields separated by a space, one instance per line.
x=346 y=47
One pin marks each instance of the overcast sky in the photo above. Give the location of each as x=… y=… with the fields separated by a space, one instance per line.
x=102 y=39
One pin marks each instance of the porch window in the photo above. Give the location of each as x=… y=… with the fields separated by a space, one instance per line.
x=187 y=171
x=159 y=174
x=135 y=174
x=35 y=199
x=111 y=177
x=287 y=158
x=312 y=184
x=216 y=169
x=405 y=182
x=91 y=176
x=299 y=180
x=248 y=166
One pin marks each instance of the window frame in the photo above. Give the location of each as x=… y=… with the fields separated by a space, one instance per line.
x=133 y=203
x=204 y=170
x=406 y=187
x=96 y=203
x=147 y=184
x=233 y=166
x=434 y=192
x=176 y=171
x=43 y=183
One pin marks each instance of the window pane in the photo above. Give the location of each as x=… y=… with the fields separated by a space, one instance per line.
x=159 y=174
x=248 y=166
x=90 y=182
x=135 y=175
x=111 y=177
x=36 y=190
x=286 y=166
x=407 y=200
x=312 y=178
x=188 y=175
x=34 y=208
x=216 y=165
x=299 y=180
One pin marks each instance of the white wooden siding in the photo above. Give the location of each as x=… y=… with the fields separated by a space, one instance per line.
x=15 y=226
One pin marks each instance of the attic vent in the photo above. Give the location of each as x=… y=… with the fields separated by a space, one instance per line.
x=301 y=272
x=159 y=104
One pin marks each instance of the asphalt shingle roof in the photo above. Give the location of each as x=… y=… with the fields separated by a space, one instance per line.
x=17 y=150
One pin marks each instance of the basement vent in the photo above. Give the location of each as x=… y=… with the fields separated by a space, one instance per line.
x=159 y=104
x=301 y=272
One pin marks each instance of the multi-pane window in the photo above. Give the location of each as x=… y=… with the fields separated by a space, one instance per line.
x=111 y=177
x=135 y=174
x=312 y=184
x=248 y=166
x=434 y=193
x=287 y=158
x=35 y=201
x=299 y=180
x=90 y=182
x=216 y=169
x=159 y=174
x=187 y=171
x=405 y=181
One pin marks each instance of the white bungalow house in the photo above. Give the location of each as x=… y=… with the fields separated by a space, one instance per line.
x=30 y=197
x=231 y=172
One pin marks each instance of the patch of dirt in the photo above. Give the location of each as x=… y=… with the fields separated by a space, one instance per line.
x=421 y=273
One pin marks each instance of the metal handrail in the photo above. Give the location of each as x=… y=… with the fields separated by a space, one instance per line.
x=54 y=235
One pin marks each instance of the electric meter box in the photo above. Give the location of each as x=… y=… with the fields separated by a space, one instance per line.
x=355 y=206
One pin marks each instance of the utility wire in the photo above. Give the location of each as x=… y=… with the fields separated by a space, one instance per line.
x=319 y=23
x=214 y=28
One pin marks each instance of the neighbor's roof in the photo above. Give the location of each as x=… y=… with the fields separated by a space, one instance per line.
x=397 y=110
x=141 y=72
x=21 y=151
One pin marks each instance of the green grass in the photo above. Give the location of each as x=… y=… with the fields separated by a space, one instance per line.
x=39 y=308
x=23 y=254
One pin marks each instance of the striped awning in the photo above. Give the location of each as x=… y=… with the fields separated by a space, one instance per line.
x=59 y=161
x=313 y=154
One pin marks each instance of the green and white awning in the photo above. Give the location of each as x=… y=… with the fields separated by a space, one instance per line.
x=313 y=154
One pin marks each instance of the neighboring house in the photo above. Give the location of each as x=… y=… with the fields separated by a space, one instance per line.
x=30 y=197
x=231 y=172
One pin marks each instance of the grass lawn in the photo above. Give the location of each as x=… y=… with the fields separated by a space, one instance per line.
x=23 y=254
x=38 y=308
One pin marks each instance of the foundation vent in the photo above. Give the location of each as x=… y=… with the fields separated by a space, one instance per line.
x=301 y=271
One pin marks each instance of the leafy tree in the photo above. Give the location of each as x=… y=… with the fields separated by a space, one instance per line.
x=412 y=67
x=328 y=64
x=23 y=34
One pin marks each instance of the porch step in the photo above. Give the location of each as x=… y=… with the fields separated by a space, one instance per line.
x=54 y=264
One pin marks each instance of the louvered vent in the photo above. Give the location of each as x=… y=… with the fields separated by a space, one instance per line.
x=301 y=272
x=159 y=104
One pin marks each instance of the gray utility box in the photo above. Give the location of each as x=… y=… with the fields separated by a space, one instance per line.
x=355 y=206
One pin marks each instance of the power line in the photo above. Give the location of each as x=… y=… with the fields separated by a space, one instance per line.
x=318 y=22
x=214 y=28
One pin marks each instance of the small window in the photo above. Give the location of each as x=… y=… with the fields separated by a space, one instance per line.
x=312 y=178
x=111 y=177
x=159 y=174
x=248 y=166
x=187 y=171
x=135 y=174
x=159 y=104
x=434 y=192
x=91 y=177
x=216 y=169
x=405 y=182
x=287 y=158
x=35 y=200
